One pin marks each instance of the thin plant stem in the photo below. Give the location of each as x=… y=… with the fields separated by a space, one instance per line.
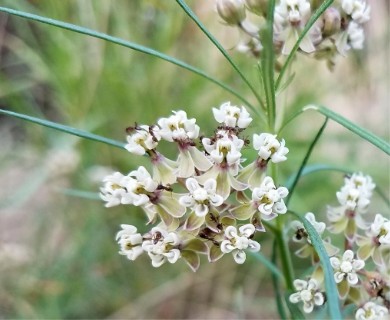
x=276 y=284
x=285 y=256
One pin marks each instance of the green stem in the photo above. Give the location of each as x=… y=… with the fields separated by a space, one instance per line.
x=285 y=256
x=276 y=285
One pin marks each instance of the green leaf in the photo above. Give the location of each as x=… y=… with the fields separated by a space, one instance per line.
x=63 y=128
x=276 y=284
x=365 y=134
x=330 y=285
x=268 y=65
x=298 y=175
x=194 y=18
x=123 y=43
x=325 y=5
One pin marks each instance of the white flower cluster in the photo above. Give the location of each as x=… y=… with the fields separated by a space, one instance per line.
x=339 y=29
x=361 y=281
x=203 y=218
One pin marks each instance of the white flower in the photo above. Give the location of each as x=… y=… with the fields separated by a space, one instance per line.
x=226 y=149
x=294 y=11
x=162 y=246
x=232 y=116
x=178 y=128
x=141 y=187
x=346 y=268
x=269 y=199
x=269 y=147
x=290 y=18
x=356 y=193
x=200 y=198
x=308 y=292
x=114 y=191
x=238 y=242
x=130 y=241
x=371 y=311
x=380 y=229
x=144 y=138
x=357 y=9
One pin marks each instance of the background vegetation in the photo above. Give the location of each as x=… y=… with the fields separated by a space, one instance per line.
x=57 y=252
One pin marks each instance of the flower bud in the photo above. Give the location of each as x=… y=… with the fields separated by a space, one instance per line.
x=258 y=7
x=332 y=21
x=231 y=11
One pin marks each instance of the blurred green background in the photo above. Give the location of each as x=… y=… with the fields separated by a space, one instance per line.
x=58 y=255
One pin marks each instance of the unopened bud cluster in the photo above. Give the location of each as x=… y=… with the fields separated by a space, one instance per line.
x=204 y=202
x=361 y=268
x=339 y=29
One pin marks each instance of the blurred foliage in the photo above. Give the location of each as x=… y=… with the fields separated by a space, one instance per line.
x=64 y=262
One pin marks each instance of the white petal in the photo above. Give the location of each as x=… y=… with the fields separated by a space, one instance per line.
x=226 y=246
x=300 y=284
x=348 y=255
x=335 y=263
x=352 y=278
x=239 y=256
x=295 y=297
x=231 y=232
x=319 y=299
x=192 y=184
x=247 y=230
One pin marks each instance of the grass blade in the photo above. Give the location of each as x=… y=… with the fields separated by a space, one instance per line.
x=124 y=43
x=268 y=65
x=325 y=5
x=330 y=285
x=366 y=135
x=63 y=128
x=194 y=18
x=276 y=285
x=298 y=175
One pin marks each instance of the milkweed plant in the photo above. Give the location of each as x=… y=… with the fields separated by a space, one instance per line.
x=210 y=201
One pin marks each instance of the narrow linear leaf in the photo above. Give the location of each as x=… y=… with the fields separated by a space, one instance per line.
x=124 y=43
x=194 y=18
x=298 y=175
x=276 y=284
x=325 y=5
x=365 y=134
x=268 y=65
x=268 y=264
x=330 y=285
x=66 y=129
